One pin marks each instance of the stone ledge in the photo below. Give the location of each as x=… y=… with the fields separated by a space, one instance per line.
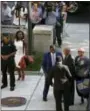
x=45 y=29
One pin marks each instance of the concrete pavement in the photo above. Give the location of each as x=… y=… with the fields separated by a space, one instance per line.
x=32 y=89
x=76 y=36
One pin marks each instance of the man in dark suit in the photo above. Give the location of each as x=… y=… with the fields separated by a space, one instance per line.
x=49 y=61
x=68 y=60
x=8 y=51
x=62 y=76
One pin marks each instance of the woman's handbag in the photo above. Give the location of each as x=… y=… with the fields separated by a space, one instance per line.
x=28 y=59
x=83 y=86
x=25 y=61
x=83 y=72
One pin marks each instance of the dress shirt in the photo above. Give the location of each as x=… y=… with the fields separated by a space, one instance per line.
x=53 y=58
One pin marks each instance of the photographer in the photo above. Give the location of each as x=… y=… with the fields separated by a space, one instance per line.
x=53 y=17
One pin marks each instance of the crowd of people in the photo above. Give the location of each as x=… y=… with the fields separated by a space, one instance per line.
x=60 y=66
x=14 y=56
x=66 y=71
x=48 y=13
x=56 y=65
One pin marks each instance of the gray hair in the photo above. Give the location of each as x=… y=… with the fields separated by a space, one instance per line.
x=67 y=48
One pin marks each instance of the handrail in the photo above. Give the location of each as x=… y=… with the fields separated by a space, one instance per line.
x=13 y=26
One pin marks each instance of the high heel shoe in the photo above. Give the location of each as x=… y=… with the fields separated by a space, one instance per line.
x=23 y=77
x=18 y=79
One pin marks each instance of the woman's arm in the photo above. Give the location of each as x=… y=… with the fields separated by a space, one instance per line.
x=25 y=48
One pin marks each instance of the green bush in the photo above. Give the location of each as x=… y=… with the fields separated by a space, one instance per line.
x=37 y=62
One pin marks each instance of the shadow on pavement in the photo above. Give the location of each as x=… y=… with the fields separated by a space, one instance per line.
x=81 y=17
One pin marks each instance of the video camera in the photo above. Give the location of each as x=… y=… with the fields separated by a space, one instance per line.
x=49 y=6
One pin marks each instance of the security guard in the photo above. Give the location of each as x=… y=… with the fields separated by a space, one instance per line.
x=8 y=51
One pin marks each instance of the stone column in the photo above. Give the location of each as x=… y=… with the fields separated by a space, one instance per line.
x=42 y=37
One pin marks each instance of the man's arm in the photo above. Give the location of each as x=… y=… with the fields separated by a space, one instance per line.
x=44 y=64
x=73 y=67
x=13 y=50
x=68 y=73
x=12 y=54
x=5 y=57
x=50 y=76
x=13 y=10
x=9 y=12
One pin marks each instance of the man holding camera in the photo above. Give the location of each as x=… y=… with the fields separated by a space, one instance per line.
x=53 y=17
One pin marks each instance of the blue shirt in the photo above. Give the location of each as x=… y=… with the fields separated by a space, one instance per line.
x=57 y=13
x=51 y=18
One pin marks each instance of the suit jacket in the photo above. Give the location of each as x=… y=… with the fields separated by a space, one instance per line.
x=47 y=61
x=70 y=63
x=61 y=75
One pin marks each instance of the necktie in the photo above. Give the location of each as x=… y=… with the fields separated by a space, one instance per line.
x=53 y=60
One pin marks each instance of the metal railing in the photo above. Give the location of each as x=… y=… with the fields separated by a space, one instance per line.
x=12 y=29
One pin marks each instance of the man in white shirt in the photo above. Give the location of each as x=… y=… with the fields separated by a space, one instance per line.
x=6 y=16
x=53 y=58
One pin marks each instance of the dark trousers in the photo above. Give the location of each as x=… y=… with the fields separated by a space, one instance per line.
x=33 y=24
x=43 y=21
x=58 y=94
x=54 y=36
x=46 y=88
x=8 y=65
x=72 y=92
x=58 y=35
